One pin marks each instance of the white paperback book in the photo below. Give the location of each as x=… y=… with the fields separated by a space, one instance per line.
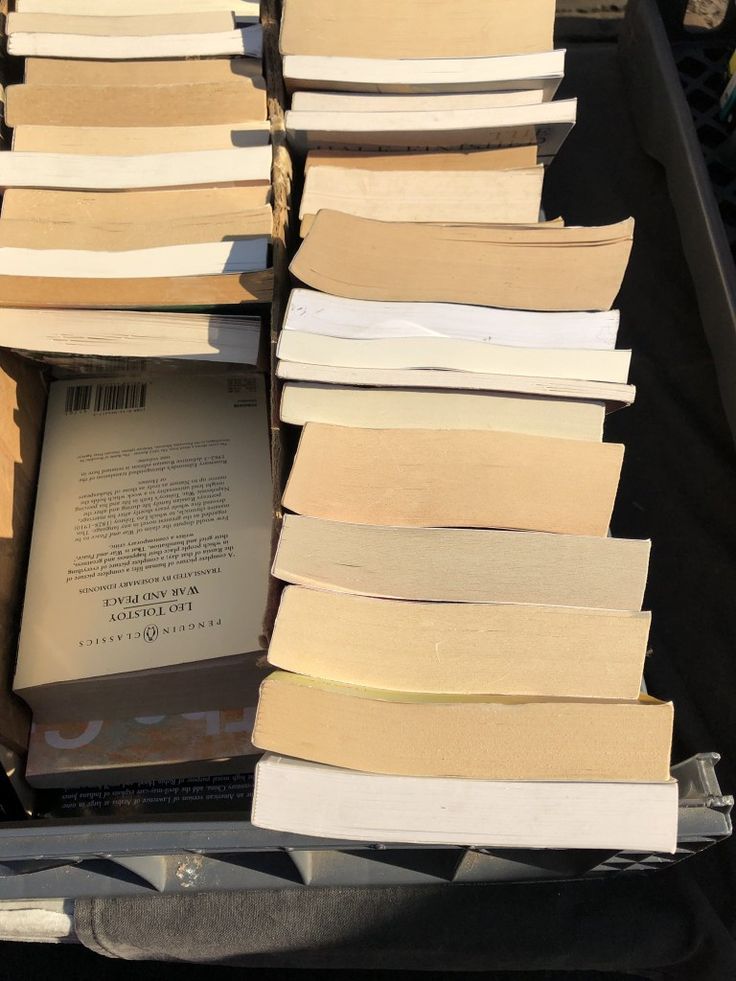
x=66 y=171
x=314 y=312
x=132 y=334
x=246 y=41
x=148 y=571
x=543 y=70
x=369 y=102
x=451 y=354
x=328 y=802
x=546 y=124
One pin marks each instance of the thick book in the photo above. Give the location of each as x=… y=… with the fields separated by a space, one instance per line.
x=149 y=558
x=118 y=334
x=237 y=100
x=615 y=395
x=336 y=316
x=505 y=158
x=510 y=73
x=527 y=268
x=151 y=747
x=305 y=798
x=547 y=124
x=463 y=565
x=406 y=408
x=415 y=29
x=452 y=354
x=240 y=165
x=460 y=648
x=482 y=197
x=464 y=478
x=421 y=735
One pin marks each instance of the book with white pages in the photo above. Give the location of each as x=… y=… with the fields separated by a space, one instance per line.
x=245 y=41
x=244 y=11
x=450 y=354
x=370 y=102
x=122 y=334
x=411 y=408
x=314 y=312
x=613 y=394
x=547 y=125
x=65 y=171
x=485 y=197
x=543 y=70
x=200 y=259
x=329 y=802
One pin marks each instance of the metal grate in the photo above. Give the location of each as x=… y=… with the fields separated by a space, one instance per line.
x=702 y=70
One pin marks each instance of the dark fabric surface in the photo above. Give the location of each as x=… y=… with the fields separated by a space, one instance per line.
x=679 y=488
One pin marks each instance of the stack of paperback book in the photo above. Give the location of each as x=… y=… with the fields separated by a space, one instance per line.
x=139 y=174
x=460 y=644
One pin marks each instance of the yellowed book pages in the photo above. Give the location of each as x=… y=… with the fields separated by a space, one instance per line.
x=67 y=71
x=438 y=735
x=545 y=269
x=415 y=102
x=460 y=648
x=469 y=197
x=113 y=237
x=129 y=206
x=138 y=140
x=467 y=479
x=129 y=294
x=339 y=405
x=504 y=158
x=459 y=565
x=146 y=25
x=205 y=103
x=416 y=29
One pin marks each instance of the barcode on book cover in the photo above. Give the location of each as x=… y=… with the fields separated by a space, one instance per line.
x=121 y=397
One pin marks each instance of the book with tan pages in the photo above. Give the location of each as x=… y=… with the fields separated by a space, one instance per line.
x=415 y=29
x=127 y=25
x=528 y=269
x=377 y=102
x=149 y=559
x=406 y=408
x=69 y=71
x=243 y=10
x=504 y=158
x=467 y=479
x=131 y=207
x=420 y=735
x=484 y=197
x=543 y=70
x=463 y=565
x=325 y=801
x=190 y=104
x=460 y=648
